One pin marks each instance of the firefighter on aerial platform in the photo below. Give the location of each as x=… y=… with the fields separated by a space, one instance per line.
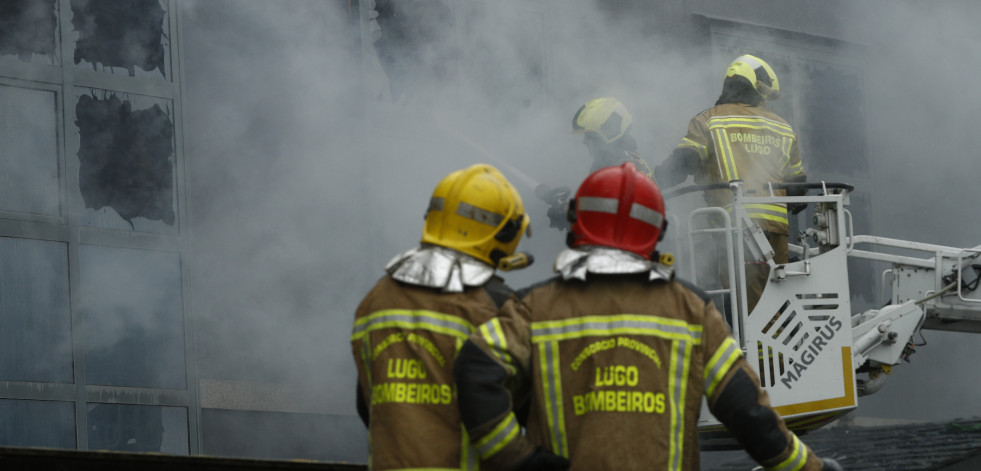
x=739 y=139
x=408 y=328
x=616 y=355
x=605 y=124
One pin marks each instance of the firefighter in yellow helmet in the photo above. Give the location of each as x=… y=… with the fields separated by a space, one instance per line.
x=408 y=328
x=604 y=124
x=616 y=356
x=739 y=139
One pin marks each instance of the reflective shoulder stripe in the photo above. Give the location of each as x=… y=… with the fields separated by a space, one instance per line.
x=720 y=363
x=636 y=324
x=752 y=122
x=499 y=437
x=493 y=334
x=412 y=319
x=796 y=460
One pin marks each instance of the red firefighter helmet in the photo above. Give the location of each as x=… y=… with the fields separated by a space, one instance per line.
x=618 y=207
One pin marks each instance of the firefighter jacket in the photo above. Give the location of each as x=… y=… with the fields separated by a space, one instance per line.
x=406 y=334
x=736 y=141
x=616 y=366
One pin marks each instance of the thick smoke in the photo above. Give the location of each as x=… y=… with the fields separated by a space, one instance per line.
x=307 y=169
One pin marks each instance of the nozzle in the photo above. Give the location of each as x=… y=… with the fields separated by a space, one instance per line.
x=517 y=261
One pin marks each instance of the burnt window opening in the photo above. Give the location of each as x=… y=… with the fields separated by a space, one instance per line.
x=125 y=34
x=834 y=121
x=27 y=27
x=125 y=158
x=413 y=43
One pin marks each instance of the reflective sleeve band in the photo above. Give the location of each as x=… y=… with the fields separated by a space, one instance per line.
x=493 y=334
x=770 y=212
x=412 y=319
x=499 y=437
x=719 y=364
x=797 y=459
x=796 y=169
x=701 y=149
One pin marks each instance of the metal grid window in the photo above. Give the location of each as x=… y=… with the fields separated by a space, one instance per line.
x=96 y=345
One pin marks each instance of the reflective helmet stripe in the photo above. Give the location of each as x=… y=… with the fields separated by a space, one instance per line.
x=480 y=215
x=611 y=206
x=648 y=215
x=600 y=205
x=436 y=204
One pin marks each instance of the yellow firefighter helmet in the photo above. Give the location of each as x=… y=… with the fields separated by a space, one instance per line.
x=759 y=74
x=476 y=211
x=605 y=116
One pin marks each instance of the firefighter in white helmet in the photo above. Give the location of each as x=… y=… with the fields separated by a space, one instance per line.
x=740 y=139
x=616 y=355
x=409 y=326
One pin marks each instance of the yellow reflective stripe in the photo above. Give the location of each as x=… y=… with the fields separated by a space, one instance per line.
x=796 y=460
x=776 y=208
x=701 y=149
x=677 y=388
x=493 y=334
x=499 y=437
x=770 y=212
x=770 y=217
x=724 y=153
x=627 y=324
x=412 y=319
x=751 y=122
x=548 y=355
x=720 y=363
x=796 y=169
x=366 y=358
x=468 y=455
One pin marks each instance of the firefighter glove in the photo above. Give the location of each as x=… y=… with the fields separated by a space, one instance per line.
x=543 y=460
x=830 y=465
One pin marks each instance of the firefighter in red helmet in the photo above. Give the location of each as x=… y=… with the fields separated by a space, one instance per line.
x=614 y=354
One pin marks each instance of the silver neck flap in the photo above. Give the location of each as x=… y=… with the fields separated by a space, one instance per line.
x=438 y=267
x=578 y=262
